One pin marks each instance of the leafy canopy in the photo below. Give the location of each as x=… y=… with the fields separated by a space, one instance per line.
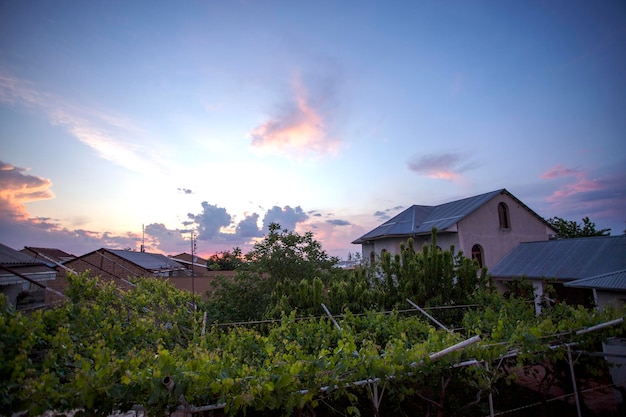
x=569 y=229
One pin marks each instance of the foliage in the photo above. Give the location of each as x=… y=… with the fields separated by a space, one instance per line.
x=105 y=350
x=568 y=229
x=289 y=272
x=278 y=272
x=225 y=260
x=284 y=255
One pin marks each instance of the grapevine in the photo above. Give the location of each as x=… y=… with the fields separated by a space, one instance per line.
x=105 y=350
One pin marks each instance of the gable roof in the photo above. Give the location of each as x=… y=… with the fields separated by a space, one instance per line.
x=146 y=260
x=12 y=257
x=15 y=265
x=615 y=281
x=187 y=257
x=420 y=220
x=149 y=262
x=564 y=259
x=53 y=254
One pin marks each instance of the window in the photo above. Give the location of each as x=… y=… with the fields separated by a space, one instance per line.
x=372 y=258
x=477 y=253
x=503 y=216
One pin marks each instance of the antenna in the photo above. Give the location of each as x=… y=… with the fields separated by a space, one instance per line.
x=143 y=238
x=193 y=273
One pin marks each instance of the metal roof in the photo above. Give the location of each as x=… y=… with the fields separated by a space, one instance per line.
x=564 y=259
x=612 y=281
x=146 y=260
x=54 y=253
x=12 y=257
x=420 y=220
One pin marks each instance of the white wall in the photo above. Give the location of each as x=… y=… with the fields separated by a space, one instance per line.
x=482 y=227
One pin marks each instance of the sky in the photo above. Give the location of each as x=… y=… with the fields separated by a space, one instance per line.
x=146 y=121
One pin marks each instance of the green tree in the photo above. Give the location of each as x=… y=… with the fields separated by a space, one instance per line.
x=284 y=255
x=225 y=260
x=278 y=274
x=568 y=229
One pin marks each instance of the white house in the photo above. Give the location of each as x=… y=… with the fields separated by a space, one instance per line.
x=485 y=227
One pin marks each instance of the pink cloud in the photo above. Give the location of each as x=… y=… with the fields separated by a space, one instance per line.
x=445 y=166
x=561 y=171
x=602 y=199
x=300 y=128
x=18 y=188
x=582 y=185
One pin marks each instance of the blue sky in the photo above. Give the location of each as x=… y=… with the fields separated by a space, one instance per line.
x=328 y=116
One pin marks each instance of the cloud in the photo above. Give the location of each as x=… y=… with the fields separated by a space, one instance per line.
x=446 y=166
x=248 y=227
x=211 y=220
x=602 y=198
x=299 y=126
x=338 y=222
x=18 y=188
x=384 y=215
x=561 y=171
x=287 y=217
x=112 y=137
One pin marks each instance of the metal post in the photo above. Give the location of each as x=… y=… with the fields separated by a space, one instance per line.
x=421 y=310
x=571 y=369
x=331 y=317
x=491 y=413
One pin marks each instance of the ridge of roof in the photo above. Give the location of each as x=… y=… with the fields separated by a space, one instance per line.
x=58 y=253
x=424 y=218
x=10 y=256
x=147 y=260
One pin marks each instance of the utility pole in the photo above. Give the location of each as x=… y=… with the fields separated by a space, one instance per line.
x=193 y=274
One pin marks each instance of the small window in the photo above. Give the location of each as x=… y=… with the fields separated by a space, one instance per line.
x=477 y=253
x=503 y=216
x=372 y=258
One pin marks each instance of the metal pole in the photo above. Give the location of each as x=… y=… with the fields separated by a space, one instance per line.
x=421 y=310
x=491 y=413
x=571 y=369
x=331 y=316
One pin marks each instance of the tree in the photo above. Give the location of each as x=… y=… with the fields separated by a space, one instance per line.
x=225 y=261
x=568 y=229
x=284 y=255
x=275 y=277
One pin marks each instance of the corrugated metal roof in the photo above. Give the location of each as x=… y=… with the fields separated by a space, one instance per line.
x=149 y=261
x=54 y=253
x=11 y=257
x=420 y=220
x=611 y=281
x=564 y=259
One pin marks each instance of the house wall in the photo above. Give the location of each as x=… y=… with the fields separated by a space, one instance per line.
x=60 y=284
x=605 y=299
x=107 y=267
x=12 y=290
x=482 y=227
x=390 y=244
x=444 y=241
x=200 y=284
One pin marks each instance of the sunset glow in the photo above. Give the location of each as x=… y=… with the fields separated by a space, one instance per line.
x=219 y=118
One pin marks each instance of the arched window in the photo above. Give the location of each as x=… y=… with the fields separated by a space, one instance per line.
x=503 y=216
x=372 y=258
x=477 y=253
